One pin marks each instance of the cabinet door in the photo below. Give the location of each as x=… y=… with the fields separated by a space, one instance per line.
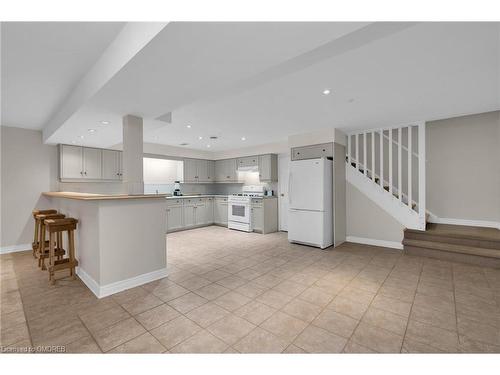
x=220 y=211
x=200 y=212
x=231 y=166
x=248 y=161
x=220 y=170
x=120 y=164
x=174 y=218
x=92 y=162
x=71 y=161
x=268 y=167
x=210 y=171
x=202 y=168
x=110 y=165
x=209 y=211
x=190 y=170
x=189 y=215
x=257 y=218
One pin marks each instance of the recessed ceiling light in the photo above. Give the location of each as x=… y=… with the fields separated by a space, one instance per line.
x=105 y=122
x=188 y=126
x=326 y=91
x=80 y=136
x=243 y=139
x=208 y=146
x=73 y=142
x=91 y=130
x=200 y=137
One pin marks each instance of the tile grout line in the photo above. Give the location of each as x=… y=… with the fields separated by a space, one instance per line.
x=411 y=307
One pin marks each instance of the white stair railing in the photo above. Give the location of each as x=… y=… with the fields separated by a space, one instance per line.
x=397 y=167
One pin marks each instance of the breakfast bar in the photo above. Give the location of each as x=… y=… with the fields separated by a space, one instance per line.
x=120 y=240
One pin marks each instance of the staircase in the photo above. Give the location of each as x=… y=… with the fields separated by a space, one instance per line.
x=474 y=245
x=388 y=166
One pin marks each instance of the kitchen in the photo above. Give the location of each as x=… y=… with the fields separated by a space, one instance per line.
x=219 y=187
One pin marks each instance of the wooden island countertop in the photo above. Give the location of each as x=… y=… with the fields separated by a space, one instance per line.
x=94 y=197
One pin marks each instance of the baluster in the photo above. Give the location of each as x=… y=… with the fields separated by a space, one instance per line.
x=349 y=149
x=390 y=160
x=400 y=174
x=421 y=174
x=410 y=156
x=365 y=166
x=373 y=156
x=382 y=158
x=357 y=151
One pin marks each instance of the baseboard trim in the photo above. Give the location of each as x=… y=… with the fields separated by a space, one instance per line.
x=119 y=286
x=15 y=248
x=374 y=242
x=471 y=223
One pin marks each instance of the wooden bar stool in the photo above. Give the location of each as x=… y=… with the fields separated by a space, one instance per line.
x=36 y=237
x=56 y=227
x=42 y=250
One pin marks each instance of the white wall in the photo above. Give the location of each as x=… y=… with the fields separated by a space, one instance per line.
x=28 y=168
x=367 y=220
x=463 y=167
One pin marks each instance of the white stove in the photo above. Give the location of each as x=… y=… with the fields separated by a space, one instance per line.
x=239 y=208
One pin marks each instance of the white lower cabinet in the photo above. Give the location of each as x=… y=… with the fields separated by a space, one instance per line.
x=188 y=208
x=174 y=218
x=257 y=218
x=220 y=211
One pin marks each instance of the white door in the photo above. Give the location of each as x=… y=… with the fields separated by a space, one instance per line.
x=306 y=185
x=284 y=170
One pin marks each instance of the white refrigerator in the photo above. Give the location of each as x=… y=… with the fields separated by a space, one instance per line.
x=310 y=217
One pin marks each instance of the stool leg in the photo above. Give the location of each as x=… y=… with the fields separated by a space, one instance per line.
x=41 y=247
x=71 y=250
x=35 y=238
x=59 y=244
x=51 y=258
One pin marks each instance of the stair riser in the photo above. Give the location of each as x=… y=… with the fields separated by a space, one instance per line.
x=454 y=240
x=452 y=256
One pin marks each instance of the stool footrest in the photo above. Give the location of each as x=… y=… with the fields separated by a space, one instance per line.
x=58 y=251
x=63 y=264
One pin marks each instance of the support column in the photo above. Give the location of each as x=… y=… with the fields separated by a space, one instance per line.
x=132 y=155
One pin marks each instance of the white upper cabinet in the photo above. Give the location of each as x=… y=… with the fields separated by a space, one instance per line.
x=89 y=164
x=190 y=170
x=111 y=165
x=268 y=167
x=92 y=163
x=248 y=162
x=71 y=161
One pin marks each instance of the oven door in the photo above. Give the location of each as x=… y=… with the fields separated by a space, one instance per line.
x=239 y=212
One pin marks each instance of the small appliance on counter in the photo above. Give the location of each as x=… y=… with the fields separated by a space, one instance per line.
x=177 y=189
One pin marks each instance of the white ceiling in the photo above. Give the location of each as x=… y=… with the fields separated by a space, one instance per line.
x=42 y=62
x=264 y=81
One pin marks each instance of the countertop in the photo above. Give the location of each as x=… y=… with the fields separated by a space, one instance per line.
x=213 y=195
x=96 y=197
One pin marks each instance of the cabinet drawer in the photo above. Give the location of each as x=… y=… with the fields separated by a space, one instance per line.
x=174 y=202
x=257 y=202
x=312 y=152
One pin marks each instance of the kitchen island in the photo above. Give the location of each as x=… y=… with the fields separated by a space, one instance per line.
x=120 y=239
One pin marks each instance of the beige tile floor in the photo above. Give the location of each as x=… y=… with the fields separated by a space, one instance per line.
x=230 y=292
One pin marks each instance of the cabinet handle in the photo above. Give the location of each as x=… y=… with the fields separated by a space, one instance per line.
x=85 y=173
x=81 y=172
